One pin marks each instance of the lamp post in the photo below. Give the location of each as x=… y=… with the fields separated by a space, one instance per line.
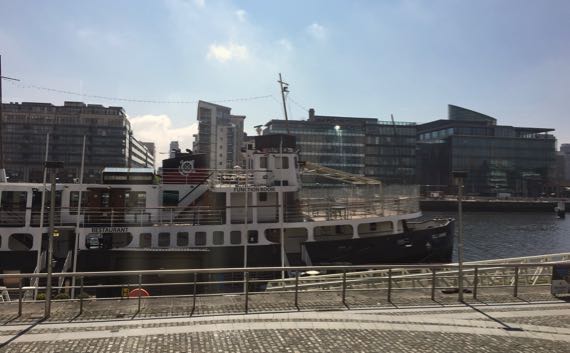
x=459 y=178
x=53 y=166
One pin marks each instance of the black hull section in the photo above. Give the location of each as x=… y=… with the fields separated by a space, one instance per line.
x=23 y=261
x=433 y=245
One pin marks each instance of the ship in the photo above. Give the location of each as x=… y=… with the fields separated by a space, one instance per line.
x=274 y=210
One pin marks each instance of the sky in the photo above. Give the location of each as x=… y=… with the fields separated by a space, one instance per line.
x=509 y=59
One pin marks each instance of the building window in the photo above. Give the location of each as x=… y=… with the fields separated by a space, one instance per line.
x=218 y=238
x=163 y=240
x=282 y=163
x=200 y=238
x=145 y=240
x=182 y=239
x=235 y=237
x=262 y=196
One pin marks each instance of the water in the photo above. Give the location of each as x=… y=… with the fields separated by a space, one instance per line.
x=498 y=235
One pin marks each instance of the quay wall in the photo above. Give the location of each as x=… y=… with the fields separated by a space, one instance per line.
x=491 y=205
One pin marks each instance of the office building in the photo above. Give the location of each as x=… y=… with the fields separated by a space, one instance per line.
x=497 y=158
x=363 y=146
x=173 y=148
x=109 y=140
x=220 y=136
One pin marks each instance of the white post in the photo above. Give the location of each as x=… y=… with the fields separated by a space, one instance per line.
x=76 y=247
x=282 y=216
x=38 y=264
x=245 y=236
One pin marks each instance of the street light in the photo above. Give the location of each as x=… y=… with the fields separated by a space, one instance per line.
x=458 y=179
x=53 y=167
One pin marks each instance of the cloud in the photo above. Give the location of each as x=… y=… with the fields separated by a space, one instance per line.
x=223 y=53
x=317 y=31
x=286 y=44
x=159 y=129
x=200 y=3
x=241 y=15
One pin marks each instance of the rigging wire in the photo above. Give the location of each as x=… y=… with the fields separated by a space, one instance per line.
x=132 y=100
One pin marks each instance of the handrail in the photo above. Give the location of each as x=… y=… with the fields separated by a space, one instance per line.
x=66 y=266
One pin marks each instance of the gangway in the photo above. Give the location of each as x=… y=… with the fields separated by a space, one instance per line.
x=476 y=273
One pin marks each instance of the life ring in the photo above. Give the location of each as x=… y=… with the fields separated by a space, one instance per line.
x=135 y=293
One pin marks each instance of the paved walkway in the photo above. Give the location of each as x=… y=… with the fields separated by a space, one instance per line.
x=321 y=325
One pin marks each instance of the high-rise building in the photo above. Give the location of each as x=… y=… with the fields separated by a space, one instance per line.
x=151 y=147
x=497 y=158
x=174 y=146
x=363 y=146
x=109 y=140
x=220 y=136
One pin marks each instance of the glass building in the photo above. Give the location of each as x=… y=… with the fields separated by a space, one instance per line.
x=498 y=159
x=362 y=146
x=109 y=140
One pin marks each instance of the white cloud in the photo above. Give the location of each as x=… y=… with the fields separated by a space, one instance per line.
x=286 y=44
x=159 y=129
x=200 y=3
x=223 y=53
x=317 y=31
x=241 y=15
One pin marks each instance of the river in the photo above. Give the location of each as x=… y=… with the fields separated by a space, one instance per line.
x=499 y=235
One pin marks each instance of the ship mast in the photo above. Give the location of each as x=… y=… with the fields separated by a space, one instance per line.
x=284 y=89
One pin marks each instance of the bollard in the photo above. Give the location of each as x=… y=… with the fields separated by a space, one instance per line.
x=297 y=290
x=433 y=283
x=246 y=292
x=344 y=288
x=389 y=285
x=81 y=295
x=516 y=289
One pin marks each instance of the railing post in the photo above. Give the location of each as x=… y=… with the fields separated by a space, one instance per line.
x=112 y=216
x=475 y=282
x=81 y=295
x=139 y=292
x=194 y=294
x=246 y=292
x=433 y=283
x=389 y=285
x=344 y=288
x=20 y=298
x=297 y=290
x=516 y=289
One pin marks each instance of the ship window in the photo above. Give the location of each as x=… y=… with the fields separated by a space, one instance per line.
x=262 y=196
x=170 y=198
x=116 y=240
x=200 y=238
x=263 y=162
x=218 y=238
x=145 y=240
x=282 y=163
x=252 y=236
x=235 y=237
x=182 y=239
x=92 y=241
x=74 y=201
x=163 y=239
x=373 y=229
x=135 y=199
x=20 y=241
x=14 y=200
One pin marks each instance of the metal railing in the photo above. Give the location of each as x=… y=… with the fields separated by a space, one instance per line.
x=248 y=281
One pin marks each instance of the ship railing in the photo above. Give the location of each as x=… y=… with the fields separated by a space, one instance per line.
x=218 y=177
x=379 y=283
x=353 y=209
x=12 y=218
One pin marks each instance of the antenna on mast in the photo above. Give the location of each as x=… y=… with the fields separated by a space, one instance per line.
x=284 y=89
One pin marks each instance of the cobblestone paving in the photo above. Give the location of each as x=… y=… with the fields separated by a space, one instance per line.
x=293 y=340
x=534 y=322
